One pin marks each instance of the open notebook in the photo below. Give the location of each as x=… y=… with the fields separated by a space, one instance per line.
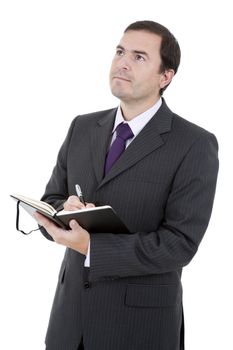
x=102 y=219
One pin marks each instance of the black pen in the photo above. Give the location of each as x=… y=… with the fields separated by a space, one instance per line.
x=79 y=193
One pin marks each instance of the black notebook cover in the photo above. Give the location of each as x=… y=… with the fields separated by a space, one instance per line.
x=101 y=219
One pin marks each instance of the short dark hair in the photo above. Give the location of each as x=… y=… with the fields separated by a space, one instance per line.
x=169 y=51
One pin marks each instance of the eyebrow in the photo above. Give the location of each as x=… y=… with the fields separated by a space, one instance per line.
x=134 y=51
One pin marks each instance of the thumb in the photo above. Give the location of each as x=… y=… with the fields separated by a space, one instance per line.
x=73 y=224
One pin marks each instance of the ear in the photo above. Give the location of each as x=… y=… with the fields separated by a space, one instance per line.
x=166 y=77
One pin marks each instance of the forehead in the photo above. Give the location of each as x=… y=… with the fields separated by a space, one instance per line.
x=141 y=41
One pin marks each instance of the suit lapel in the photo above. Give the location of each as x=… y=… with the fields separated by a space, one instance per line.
x=101 y=137
x=148 y=140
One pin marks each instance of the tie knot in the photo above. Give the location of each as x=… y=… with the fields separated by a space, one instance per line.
x=124 y=131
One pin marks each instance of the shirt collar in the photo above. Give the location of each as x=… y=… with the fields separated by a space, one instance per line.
x=137 y=123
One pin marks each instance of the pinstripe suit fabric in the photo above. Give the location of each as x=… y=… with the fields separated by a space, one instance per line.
x=163 y=188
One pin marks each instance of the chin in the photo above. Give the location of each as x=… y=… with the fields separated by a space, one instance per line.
x=121 y=96
x=120 y=93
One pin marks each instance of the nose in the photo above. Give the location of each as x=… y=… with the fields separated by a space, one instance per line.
x=124 y=63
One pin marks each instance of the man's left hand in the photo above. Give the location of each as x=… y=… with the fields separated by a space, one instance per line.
x=76 y=238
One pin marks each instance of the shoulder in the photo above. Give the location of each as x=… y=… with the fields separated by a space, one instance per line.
x=191 y=134
x=94 y=117
x=184 y=130
x=185 y=134
x=184 y=126
x=84 y=123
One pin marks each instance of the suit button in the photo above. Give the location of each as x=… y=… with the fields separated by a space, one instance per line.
x=86 y=285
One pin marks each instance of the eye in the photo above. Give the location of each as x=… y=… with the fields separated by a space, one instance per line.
x=139 y=58
x=119 y=52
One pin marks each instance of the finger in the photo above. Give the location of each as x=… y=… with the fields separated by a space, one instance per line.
x=90 y=205
x=74 y=200
x=74 y=225
x=73 y=203
x=43 y=221
x=55 y=232
x=69 y=207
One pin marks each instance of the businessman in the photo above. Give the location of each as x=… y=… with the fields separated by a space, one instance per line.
x=158 y=171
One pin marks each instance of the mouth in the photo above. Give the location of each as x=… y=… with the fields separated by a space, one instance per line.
x=121 y=78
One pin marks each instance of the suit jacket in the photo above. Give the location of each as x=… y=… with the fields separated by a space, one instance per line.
x=163 y=188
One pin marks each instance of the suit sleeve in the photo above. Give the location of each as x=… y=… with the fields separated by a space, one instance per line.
x=56 y=191
x=185 y=221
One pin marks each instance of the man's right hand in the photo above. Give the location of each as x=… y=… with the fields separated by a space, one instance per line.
x=73 y=203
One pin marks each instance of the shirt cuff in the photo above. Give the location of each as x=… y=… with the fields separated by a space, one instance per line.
x=87 y=260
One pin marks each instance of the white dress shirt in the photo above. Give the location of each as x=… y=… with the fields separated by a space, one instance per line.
x=136 y=125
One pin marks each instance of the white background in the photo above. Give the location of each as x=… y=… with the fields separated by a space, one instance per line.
x=54 y=60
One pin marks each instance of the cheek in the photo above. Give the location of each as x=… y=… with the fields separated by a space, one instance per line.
x=146 y=79
x=146 y=85
x=113 y=65
x=152 y=79
x=111 y=69
x=112 y=72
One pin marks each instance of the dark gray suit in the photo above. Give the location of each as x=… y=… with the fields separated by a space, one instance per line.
x=163 y=189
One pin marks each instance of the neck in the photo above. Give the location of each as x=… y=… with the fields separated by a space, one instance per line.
x=132 y=110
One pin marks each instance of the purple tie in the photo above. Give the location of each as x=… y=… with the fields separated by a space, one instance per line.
x=123 y=133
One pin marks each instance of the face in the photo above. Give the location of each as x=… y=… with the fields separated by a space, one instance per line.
x=135 y=71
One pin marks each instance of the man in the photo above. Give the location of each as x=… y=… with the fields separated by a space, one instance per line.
x=162 y=186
